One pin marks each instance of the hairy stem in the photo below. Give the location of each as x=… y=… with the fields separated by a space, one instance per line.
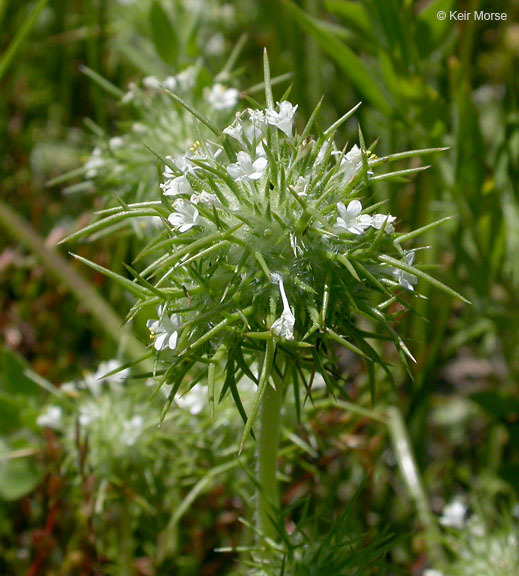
x=267 y=456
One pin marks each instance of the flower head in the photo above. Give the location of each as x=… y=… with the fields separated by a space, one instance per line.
x=453 y=514
x=351 y=220
x=284 y=325
x=50 y=418
x=176 y=186
x=222 y=98
x=404 y=278
x=164 y=330
x=282 y=119
x=246 y=169
x=385 y=220
x=184 y=217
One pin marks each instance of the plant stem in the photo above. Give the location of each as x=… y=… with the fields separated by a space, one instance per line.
x=267 y=501
x=409 y=470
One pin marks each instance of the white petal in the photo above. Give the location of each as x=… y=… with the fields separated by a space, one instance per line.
x=160 y=341
x=354 y=208
x=172 y=342
x=260 y=164
x=235 y=172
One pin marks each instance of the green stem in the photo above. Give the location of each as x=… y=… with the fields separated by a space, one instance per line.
x=267 y=502
x=409 y=470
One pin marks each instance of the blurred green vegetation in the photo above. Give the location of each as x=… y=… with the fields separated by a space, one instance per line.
x=424 y=83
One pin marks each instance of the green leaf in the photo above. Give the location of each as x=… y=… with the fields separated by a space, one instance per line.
x=353 y=14
x=13 y=379
x=17 y=477
x=344 y=57
x=262 y=385
x=132 y=287
x=412 y=270
x=163 y=34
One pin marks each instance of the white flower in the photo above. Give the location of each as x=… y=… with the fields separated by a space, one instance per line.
x=140 y=128
x=301 y=186
x=351 y=220
x=170 y=83
x=187 y=78
x=282 y=119
x=378 y=221
x=165 y=330
x=351 y=163
x=206 y=198
x=404 y=278
x=182 y=162
x=51 y=418
x=176 y=186
x=193 y=400
x=94 y=381
x=94 y=163
x=245 y=168
x=216 y=44
x=453 y=515
x=151 y=82
x=222 y=98
x=235 y=130
x=132 y=430
x=116 y=142
x=432 y=572
x=249 y=131
x=88 y=413
x=184 y=217
x=284 y=325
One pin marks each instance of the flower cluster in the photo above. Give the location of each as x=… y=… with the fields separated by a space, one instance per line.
x=262 y=206
x=269 y=249
x=124 y=164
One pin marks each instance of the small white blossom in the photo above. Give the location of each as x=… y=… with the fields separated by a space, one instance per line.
x=193 y=400
x=176 y=186
x=187 y=78
x=94 y=381
x=351 y=163
x=165 y=330
x=351 y=220
x=206 y=198
x=116 y=142
x=432 y=572
x=151 y=82
x=453 y=514
x=50 y=418
x=182 y=162
x=246 y=169
x=94 y=163
x=404 y=278
x=170 y=83
x=139 y=128
x=184 y=217
x=222 y=98
x=235 y=130
x=379 y=220
x=88 y=413
x=282 y=119
x=300 y=187
x=284 y=325
x=216 y=44
x=132 y=430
